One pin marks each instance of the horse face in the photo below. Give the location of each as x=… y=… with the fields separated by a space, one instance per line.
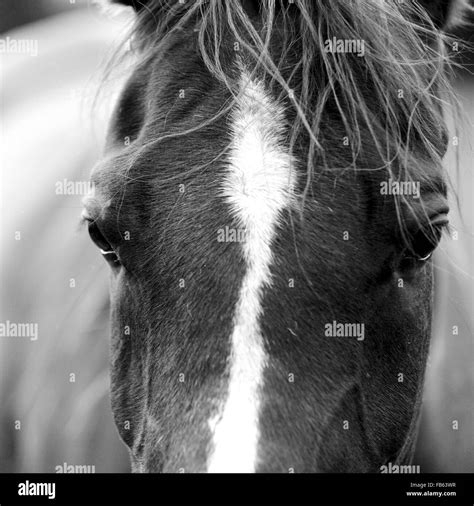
x=254 y=329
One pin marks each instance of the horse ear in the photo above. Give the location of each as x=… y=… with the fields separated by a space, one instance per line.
x=446 y=13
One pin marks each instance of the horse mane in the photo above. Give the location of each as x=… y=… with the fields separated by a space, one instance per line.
x=400 y=99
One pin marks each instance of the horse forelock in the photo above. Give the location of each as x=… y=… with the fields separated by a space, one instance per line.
x=396 y=90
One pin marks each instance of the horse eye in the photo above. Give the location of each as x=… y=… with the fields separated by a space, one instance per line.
x=422 y=245
x=104 y=246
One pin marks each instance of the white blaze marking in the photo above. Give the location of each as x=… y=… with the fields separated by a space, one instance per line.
x=258 y=187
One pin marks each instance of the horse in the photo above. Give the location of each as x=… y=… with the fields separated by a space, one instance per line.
x=269 y=201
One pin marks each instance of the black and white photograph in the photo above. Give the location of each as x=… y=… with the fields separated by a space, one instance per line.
x=237 y=252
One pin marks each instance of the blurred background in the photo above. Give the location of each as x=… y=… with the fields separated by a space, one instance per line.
x=54 y=404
